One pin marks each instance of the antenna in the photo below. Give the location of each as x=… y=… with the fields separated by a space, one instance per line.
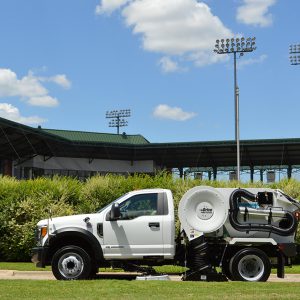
x=117 y=117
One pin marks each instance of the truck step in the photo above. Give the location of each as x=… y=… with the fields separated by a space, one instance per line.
x=197 y=276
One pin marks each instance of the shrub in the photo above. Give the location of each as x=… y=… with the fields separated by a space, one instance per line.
x=24 y=203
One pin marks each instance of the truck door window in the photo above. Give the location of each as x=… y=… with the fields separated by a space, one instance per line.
x=139 y=205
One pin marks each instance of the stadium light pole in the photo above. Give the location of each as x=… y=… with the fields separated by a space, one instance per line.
x=228 y=46
x=117 y=117
x=294 y=58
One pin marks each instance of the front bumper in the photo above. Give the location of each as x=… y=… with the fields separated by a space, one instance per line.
x=39 y=256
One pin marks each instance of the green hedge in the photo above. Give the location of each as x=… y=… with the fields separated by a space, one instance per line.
x=24 y=203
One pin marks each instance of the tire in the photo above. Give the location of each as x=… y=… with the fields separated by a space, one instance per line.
x=93 y=272
x=225 y=270
x=71 y=263
x=250 y=264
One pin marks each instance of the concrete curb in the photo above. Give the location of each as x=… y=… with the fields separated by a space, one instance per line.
x=33 y=275
x=47 y=275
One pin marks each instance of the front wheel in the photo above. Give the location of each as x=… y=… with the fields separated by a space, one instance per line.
x=93 y=272
x=250 y=264
x=71 y=263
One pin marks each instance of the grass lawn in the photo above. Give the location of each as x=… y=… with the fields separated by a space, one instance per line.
x=119 y=289
x=21 y=266
x=162 y=269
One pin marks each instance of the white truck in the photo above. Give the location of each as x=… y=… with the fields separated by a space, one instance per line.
x=225 y=233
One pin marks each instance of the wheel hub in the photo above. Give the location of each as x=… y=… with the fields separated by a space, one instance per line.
x=251 y=267
x=70 y=265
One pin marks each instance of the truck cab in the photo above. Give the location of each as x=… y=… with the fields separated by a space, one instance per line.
x=138 y=226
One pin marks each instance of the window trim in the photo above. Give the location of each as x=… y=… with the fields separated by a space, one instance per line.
x=162 y=206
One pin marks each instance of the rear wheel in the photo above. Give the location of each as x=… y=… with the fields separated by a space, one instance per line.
x=225 y=270
x=71 y=263
x=250 y=264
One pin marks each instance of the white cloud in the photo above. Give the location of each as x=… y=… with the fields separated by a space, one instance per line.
x=27 y=86
x=30 y=88
x=250 y=61
x=255 y=12
x=164 y=111
x=60 y=79
x=12 y=113
x=108 y=6
x=175 y=26
x=46 y=101
x=168 y=65
x=185 y=28
x=203 y=58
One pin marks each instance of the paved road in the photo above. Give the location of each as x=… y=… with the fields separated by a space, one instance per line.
x=47 y=275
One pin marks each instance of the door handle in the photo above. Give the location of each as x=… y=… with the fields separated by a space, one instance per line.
x=154 y=224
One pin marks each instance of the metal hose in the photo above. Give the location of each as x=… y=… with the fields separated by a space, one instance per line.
x=233 y=217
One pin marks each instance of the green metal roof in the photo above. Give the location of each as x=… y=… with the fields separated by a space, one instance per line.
x=95 y=137
x=18 y=141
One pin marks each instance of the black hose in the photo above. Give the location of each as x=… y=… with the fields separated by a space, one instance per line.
x=234 y=210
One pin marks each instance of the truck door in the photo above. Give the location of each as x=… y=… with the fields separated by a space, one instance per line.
x=138 y=232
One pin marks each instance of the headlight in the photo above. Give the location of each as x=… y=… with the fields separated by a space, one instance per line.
x=40 y=233
x=44 y=231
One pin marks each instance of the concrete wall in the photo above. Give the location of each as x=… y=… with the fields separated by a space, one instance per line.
x=96 y=165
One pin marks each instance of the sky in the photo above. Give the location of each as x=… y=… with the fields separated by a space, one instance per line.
x=64 y=64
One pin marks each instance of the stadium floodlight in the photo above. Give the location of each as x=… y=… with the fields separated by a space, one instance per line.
x=239 y=45
x=234 y=45
x=295 y=59
x=117 y=117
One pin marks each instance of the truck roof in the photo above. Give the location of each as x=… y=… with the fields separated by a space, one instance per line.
x=152 y=190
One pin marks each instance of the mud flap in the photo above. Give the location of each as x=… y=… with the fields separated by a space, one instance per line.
x=280 y=265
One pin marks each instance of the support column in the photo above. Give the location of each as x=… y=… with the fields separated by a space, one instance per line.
x=261 y=172
x=289 y=172
x=209 y=175
x=180 y=172
x=7 y=167
x=215 y=170
x=251 y=173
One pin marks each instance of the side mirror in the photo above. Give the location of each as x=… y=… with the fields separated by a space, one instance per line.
x=115 y=212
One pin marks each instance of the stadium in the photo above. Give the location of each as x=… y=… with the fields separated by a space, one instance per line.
x=28 y=152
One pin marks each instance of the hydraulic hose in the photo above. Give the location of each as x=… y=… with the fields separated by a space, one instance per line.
x=234 y=210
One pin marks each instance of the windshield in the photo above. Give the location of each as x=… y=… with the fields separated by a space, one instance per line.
x=103 y=208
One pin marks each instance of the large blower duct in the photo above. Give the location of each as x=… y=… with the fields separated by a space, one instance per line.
x=203 y=209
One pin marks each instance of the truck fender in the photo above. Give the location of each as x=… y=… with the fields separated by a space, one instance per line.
x=75 y=233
